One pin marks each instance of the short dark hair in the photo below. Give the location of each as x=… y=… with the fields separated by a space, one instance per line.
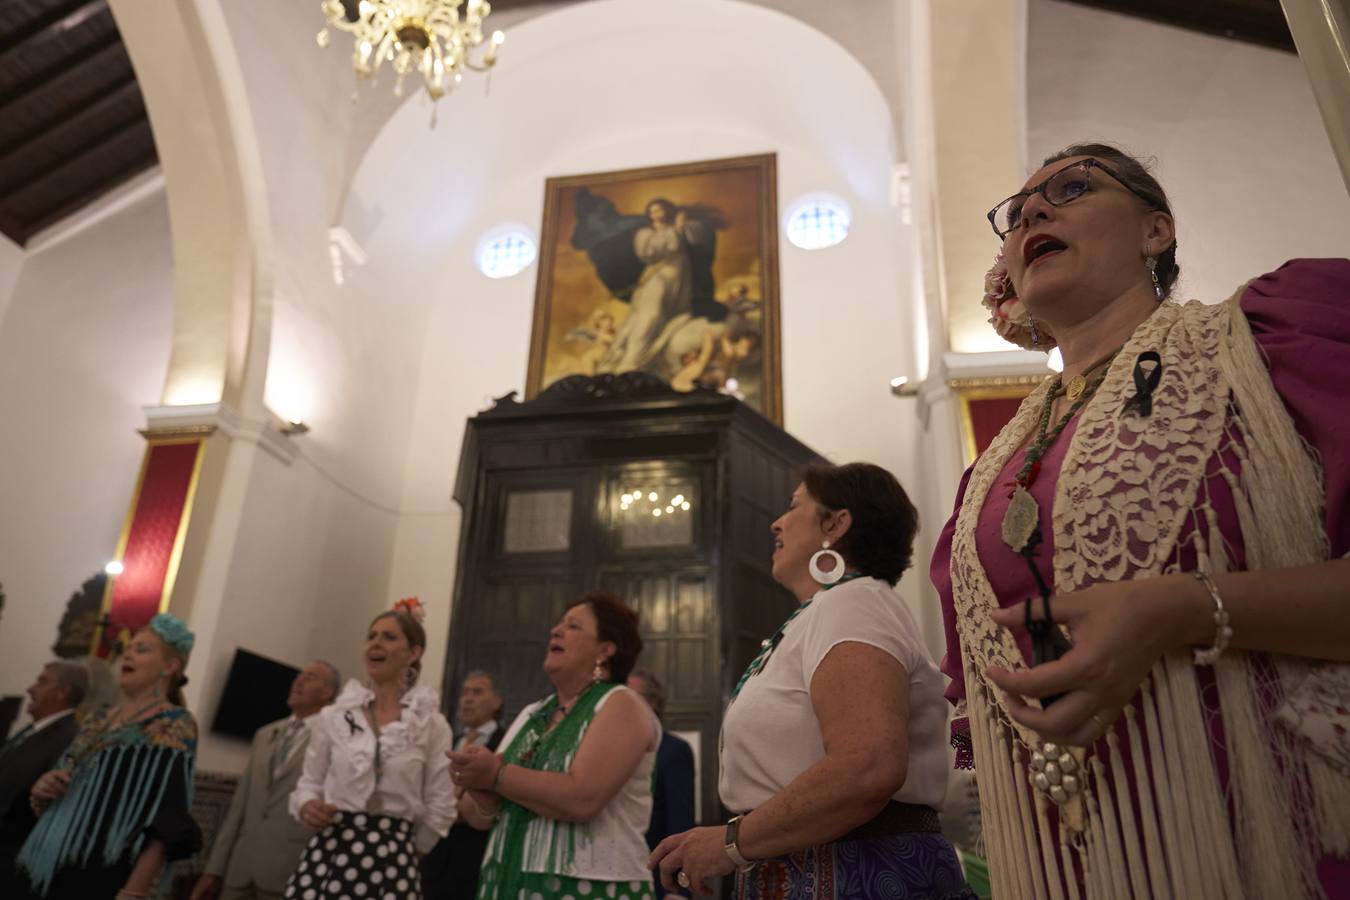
x=618 y=624
x=1135 y=174
x=880 y=541
x=652 y=689
x=412 y=630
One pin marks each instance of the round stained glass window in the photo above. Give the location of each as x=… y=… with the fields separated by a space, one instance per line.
x=815 y=223
x=506 y=253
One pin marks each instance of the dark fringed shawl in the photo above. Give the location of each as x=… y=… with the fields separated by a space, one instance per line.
x=119 y=778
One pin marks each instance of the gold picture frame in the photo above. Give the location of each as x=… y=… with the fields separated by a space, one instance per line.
x=670 y=270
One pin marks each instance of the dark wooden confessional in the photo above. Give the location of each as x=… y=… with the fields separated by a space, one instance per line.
x=619 y=483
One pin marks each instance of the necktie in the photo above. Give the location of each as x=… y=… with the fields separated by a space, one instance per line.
x=281 y=750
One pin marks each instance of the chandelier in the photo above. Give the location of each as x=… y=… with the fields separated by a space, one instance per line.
x=425 y=36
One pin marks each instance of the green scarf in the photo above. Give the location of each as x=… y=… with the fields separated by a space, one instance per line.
x=554 y=843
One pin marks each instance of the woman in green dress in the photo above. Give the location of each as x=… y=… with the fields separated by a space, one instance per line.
x=570 y=796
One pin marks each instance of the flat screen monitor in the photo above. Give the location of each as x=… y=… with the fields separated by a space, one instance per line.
x=255 y=694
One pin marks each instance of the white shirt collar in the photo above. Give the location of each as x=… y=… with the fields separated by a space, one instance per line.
x=50 y=720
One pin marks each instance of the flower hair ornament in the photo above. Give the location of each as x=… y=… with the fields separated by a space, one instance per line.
x=174 y=632
x=1010 y=318
x=413 y=608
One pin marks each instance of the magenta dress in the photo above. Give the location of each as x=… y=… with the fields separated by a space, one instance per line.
x=1300 y=317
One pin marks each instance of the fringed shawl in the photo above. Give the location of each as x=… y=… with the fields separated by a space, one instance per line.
x=119 y=777
x=522 y=840
x=1155 y=819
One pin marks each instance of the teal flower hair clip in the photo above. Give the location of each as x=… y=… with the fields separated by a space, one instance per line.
x=173 y=631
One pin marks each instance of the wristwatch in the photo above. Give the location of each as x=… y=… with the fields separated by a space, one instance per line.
x=733 y=827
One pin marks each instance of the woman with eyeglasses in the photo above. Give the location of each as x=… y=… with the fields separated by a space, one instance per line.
x=833 y=754
x=1143 y=584
x=569 y=796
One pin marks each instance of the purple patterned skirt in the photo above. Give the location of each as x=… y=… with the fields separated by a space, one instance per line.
x=911 y=866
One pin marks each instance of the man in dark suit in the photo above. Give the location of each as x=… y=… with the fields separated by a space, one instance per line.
x=259 y=844
x=450 y=870
x=35 y=749
x=673 y=787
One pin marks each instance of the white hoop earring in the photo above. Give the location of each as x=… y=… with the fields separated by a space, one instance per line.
x=821 y=576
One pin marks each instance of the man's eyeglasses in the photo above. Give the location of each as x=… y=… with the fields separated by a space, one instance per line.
x=1068 y=184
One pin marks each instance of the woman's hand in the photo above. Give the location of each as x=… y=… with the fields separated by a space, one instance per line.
x=51 y=786
x=317 y=815
x=474 y=767
x=699 y=852
x=1119 y=631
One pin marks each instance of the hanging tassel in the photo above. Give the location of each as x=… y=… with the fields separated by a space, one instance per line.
x=1157 y=861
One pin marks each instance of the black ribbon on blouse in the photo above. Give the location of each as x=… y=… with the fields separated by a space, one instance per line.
x=1145 y=383
x=351 y=722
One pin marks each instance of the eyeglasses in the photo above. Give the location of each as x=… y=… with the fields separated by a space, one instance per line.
x=1068 y=184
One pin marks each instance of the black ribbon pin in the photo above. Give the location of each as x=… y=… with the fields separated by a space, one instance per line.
x=1145 y=383
x=351 y=722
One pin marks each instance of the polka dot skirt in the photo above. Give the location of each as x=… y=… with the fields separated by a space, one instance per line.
x=360 y=856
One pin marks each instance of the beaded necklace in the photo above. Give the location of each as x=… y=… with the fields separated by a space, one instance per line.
x=1021 y=523
x=768 y=645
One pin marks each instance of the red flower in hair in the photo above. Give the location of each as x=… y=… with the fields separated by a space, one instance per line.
x=413 y=607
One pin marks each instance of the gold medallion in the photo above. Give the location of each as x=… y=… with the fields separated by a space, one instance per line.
x=1021 y=519
x=1077 y=384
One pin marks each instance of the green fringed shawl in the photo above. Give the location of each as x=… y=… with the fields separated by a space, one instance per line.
x=521 y=836
x=118 y=779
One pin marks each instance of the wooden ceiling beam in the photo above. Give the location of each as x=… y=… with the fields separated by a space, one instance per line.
x=62 y=71
x=1252 y=21
x=90 y=151
x=84 y=198
x=53 y=24
x=69 y=119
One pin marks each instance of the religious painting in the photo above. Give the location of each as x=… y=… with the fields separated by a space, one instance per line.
x=671 y=271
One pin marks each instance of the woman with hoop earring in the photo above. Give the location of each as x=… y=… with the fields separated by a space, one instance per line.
x=833 y=749
x=376 y=788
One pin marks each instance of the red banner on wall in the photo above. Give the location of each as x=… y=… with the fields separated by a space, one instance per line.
x=152 y=539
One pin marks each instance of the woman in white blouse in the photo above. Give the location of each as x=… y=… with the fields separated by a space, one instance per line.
x=832 y=748
x=376 y=787
x=570 y=796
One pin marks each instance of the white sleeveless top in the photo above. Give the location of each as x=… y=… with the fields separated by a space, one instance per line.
x=612 y=846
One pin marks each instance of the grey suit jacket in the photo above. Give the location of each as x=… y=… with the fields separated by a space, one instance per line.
x=258 y=842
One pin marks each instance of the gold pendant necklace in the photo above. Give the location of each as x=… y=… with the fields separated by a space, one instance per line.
x=1077 y=384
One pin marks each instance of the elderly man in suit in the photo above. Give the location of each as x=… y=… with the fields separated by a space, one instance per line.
x=673 y=784
x=450 y=870
x=259 y=843
x=60 y=687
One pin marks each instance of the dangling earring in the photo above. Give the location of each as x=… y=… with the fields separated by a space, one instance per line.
x=1035 y=335
x=1152 y=263
x=821 y=576
x=598 y=673
x=409 y=678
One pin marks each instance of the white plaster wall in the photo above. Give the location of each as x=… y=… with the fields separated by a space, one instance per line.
x=309 y=571
x=1239 y=142
x=559 y=109
x=11 y=261
x=84 y=345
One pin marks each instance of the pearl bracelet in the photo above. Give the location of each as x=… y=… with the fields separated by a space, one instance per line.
x=1222 y=632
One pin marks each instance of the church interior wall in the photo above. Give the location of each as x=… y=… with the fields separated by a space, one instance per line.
x=84 y=344
x=11 y=262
